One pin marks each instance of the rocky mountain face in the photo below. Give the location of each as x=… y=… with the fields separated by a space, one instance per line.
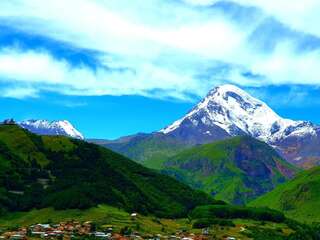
x=44 y=127
x=228 y=111
x=303 y=151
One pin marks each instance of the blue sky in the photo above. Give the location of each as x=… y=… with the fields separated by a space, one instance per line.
x=118 y=67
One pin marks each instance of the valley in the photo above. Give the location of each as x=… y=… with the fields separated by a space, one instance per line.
x=235 y=170
x=112 y=223
x=219 y=155
x=59 y=180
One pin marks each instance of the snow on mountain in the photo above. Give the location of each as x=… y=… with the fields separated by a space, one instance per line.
x=44 y=127
x=238 y=113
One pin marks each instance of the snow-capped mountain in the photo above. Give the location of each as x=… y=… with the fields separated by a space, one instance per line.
x=225 y=112
x=237 y=113
x=44 y=127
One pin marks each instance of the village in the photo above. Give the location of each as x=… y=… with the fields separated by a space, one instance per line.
x=88 y=230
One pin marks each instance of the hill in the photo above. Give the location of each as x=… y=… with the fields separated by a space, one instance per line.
x=298 y=198
x=235 y=170
x=64 y=173
x=151 y=150
x=102 y=215
x=241 y=223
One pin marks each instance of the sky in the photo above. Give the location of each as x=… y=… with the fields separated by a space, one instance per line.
x=118 y=67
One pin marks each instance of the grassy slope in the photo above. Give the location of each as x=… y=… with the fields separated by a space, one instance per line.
x=81 y=171
x=150 y=150
x=22 y=143
x=105 y=216
x=234 y=170
x=102 y=215
x=298 y=198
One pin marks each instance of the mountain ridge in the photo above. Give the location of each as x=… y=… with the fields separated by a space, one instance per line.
x=225 y=112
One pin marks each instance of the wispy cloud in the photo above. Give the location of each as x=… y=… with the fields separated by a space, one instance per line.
x=158 y=48
x=300 y=15
x=296 y=96
x=40 y=71
x=19 y=92
x=71 y=104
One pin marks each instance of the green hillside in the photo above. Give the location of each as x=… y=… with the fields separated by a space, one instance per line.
x=298 y=198
x=237 y=224
x=41 y=171
x=102 y=215
x=236 y=170
x=151 y=150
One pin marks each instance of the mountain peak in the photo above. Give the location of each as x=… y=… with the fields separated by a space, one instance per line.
x=238 y=113
x=229 y=92
x=227 y=88
x=45 y=127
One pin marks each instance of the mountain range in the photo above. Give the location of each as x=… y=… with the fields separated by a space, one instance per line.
x=52 y=179
x=225 y=112
x=231 y=145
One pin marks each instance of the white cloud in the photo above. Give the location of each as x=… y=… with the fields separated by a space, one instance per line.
x=201 y=2
x=300 y=15
x=31 y=67
x=165 y=46
x=40 y=71
x=102 y=25
x=71 y=104
x=286 y=67
x=19 y=92
x=295 y=97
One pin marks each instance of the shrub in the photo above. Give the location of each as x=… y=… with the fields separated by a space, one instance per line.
x=231 y=212
x=206 y=222
x=125 y=231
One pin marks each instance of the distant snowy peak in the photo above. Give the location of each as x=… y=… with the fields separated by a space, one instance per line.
x=44 y=127
x=238 y=113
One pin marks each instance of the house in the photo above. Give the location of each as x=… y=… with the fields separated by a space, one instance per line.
x=205 y=231
x=101 y=235
x=230 y=238
x=40 y=227
x=173 y=237
x=118 y=237
x=17 y=237
x=37 y=234
x=187 y=238
x=55 y=233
